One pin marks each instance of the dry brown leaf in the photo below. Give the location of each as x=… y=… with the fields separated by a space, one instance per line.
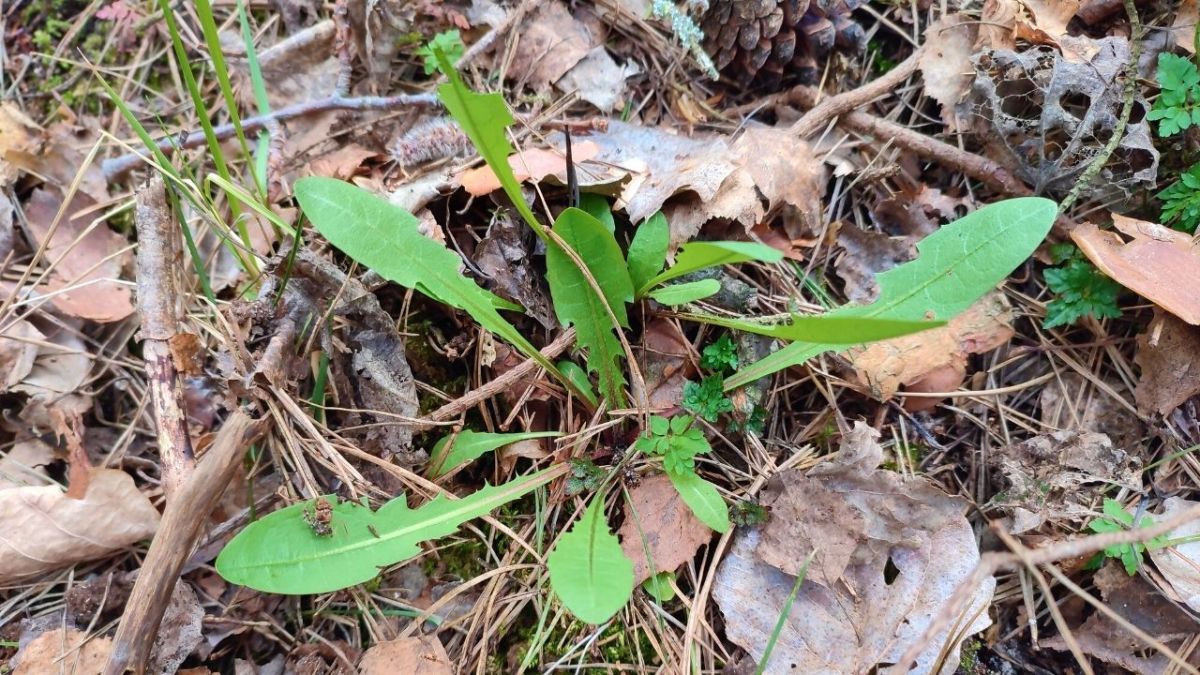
x=946 y=64
x=534 y=164
x=1169 y=356
x=1071 y=402
x=1183 y=28
x=1056 y=477
x=61 y=367
x=665 y=354
x=1042 y=22
x=24 y=464
x=863 y=620
x=18 y=135
x=672 y=533
x=18 y=351
x=64 y=651
x=1180 y=565
x=342 y=163
x=1158 y=263
x=886 y=366
x=551 y=43
x=86 y=263
x=423 y=655
x=180 y=631
x=45 y=530
x=598 y=79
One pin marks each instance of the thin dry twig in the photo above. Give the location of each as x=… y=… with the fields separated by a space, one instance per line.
x=159 y=255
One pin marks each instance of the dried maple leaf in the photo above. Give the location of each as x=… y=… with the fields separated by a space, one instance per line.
x=1158 y=263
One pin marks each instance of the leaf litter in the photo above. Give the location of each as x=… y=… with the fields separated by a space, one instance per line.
x=358 y=374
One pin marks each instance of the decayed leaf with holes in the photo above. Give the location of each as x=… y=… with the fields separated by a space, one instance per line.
x=847 y=605
x=63 y=650
x=659 y=524
x=1156 y=262
x=86 y=261
x=1169 y=356
x=422 y=655
x=1056 y=477
x=44 y=529
x=911 y=360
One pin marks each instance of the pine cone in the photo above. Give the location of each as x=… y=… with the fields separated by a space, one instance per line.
x=765 y=40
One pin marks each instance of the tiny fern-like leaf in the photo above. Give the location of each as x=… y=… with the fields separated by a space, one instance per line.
x=588 y=570
x=282 y=554
x=955 y=266
x=469 y=445
x=385 y=238
x=577 y=303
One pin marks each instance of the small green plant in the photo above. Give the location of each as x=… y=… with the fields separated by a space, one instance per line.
x=720 y=356
x=449 y=42
x=1117 y=519
x=1181 y=201
x=1080 y=289
x=748 y=514
x=1178 y=104
x=585 y=476
x=678 y=441
x=754 y=423
x=706 y=398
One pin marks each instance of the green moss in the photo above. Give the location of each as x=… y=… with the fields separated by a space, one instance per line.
x=970 y=655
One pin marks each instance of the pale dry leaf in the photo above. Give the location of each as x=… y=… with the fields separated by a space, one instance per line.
x=343 y=162
x=1169 y=355
x=61 y=367
x=63 y=651
x=946 y=64
x=45 y=529
x=180 y=631
x=551 y=43
x=6 y=226
x=422 y=655
x=598 y=80
x=1042 y=22
x=1057 y=477
x=1158 y=263
x=672 y=533
x=1180 y=564
x=24 y=464
x=18 y=352
x=19 y=135
x=60 y=159
x=1183 y=27
x=86 y=258
x=863 y=620
x=534 y=164
x=807 y=516
x=888 y=365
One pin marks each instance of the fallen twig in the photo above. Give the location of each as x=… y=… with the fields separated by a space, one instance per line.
x=159 y=255
x=184 y=519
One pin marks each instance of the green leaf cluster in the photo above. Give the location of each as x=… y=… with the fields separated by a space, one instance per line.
x=1117 y=519
x=1176 y=108
x=706 y=398
x=1080 y=290
x=585 y=476
x=678 y=440
x=720 y=356
x=1181 y=201
x=449 y=43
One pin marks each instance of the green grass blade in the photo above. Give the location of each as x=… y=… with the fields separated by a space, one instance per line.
x=956 y=266
x=698 y=255
x=467 y=446
x=681 y=294
x=783 y=616
x=259 y=86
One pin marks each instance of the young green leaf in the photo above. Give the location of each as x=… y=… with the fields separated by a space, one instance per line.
x=449 y=42
x=282 y=554
x=470 y=445
x=681 y=294
x=385 y=238
x=588 y=570
x=576 y=303
x=597 y=207
x=659 y=586
x=648 y=250
x=702 y=498
x=698 y=255
x=956 y=265
x=577 y=377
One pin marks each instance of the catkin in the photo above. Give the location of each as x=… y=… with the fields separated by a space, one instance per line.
x=429 y=141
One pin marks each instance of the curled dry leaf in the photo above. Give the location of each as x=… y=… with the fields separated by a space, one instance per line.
x=1180 y=565
x=1169 y=356
x=85 y=257
x=939 y=354
x=534 y=164
x=61 y=367
x=423 y=655
x=672 y=533
x=1158 y=263
x=24 y=464
x=18 y=351
x=846 y=616
x=44 y=529
x=63 y=650
x=1059 y=476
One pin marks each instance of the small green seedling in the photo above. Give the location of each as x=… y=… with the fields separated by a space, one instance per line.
x=1178 y=104
x=449 y=42
x=678 y=440
x=720 y=356
x=585 y=476
x=1080 y=289
x=1117 y=519
x=706 y=398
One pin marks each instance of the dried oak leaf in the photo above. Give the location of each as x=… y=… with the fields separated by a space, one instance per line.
x=1169 y=356
x=422 y=655
x=672 y=533
x=886 y=366
x=63 y=650
x=863 y=620
x=44 y=529
x=1058 y=476
x=1158 y=263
